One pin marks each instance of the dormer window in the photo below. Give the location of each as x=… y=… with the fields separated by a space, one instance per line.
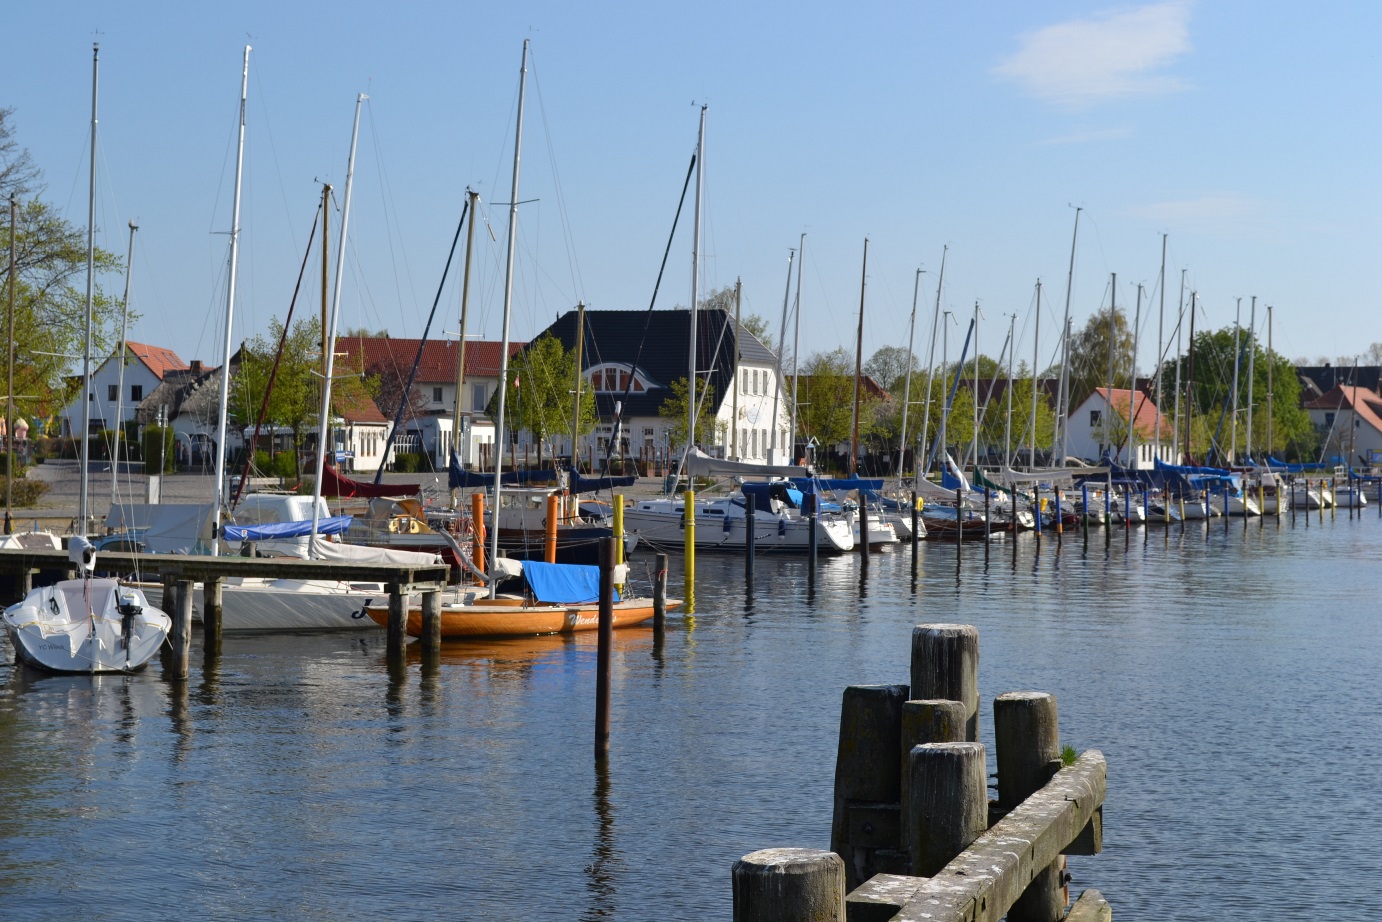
x=617 y=378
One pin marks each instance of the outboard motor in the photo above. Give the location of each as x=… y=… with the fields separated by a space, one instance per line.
x=129 y=609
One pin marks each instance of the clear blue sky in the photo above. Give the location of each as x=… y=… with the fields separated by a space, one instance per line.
x=1247 y=131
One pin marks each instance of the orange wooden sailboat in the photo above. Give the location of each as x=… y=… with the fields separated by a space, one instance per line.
x=561 y=599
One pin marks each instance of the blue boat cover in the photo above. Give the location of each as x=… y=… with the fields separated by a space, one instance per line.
x=332 y=525
x=462 y=479
x=581 y=484
x=563 y=583
x=871 y=486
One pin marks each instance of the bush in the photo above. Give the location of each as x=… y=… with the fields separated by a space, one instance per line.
x=5 y=464
x=25 y=492
x=158 y=450
x=409 y=463
x=284 y=465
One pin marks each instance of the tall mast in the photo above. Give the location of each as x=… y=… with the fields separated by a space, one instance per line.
x=1252 y=354
x=9 y=374
x=1160 y=345
x=326 y=264
x=120 y=377
x=1133 y=392
x=230 y=313
x=796 y=335
x=1108 y=393
x=1036 y=359
x=1237 y=355
x=90 y=283
x=974 y=390
x=734 y=391
x=923 y=469
x=324 y=419
x=1271 y=362
x=580 y=379
x=858 y=365
x=1062 y=439
x=907 y=389
x=1180 y=325
x=1008 y=423
x=1190 y=375
x=781 y=338
x=508 y=311
x=473 y=198
x=695 y=296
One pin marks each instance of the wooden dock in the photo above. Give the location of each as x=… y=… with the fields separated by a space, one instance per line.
x=178 y=573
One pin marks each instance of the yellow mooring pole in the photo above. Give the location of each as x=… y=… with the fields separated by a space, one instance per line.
x=689 y=549
x=618 y=501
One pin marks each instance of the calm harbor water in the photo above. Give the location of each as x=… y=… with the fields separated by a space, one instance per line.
x=1225 y=675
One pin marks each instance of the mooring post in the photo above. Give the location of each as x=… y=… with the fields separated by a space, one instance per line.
x=916 y=529
x=945 y=666
x=750 y=539
x=180 y=638
x=959 y=520
x=1333 y=498
x=1084 y=508
x=431 y=621
x=212 y=608
x=948 y=803
x=926 y=721
x=606 y=641
x=1027 y=735
x=477 y=530
x=689 y=549
x=788 y=885
x=868 y=765
x=811 y=505
x=398 y=622
x=863 y=527
x=1060 y=523
x=660 y=594
x=549 y=545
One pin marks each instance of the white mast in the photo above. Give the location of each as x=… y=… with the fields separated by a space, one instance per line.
x=1252 y=354
x=781 y=338
x=1160 y=345
x=796 y=333
x=695 y=296
x=508 y=310
x=120 y=379
x=1180 y=321
x=1237 y=353
x=1036 y=340
x=90 y=283
x=230 y=315
x=329 y=339
x=1062 y=440
x=1132 y=390
x=907 y=389
x=923 y=468
x=1008 y=424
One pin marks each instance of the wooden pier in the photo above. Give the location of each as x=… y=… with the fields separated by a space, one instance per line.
x=914 y=835
x=178 y=573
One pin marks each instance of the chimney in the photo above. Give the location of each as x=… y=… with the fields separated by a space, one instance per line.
x=196 y=366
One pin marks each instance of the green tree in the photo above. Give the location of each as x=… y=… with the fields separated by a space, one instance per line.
x=50 y=287
x=539 y=398
x=709 y=429
x=1089 y=354
x=888 y=366
x=295 y=400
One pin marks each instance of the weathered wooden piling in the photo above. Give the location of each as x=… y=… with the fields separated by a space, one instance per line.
x=750 y=538
x=212 y=609
x=868 y=777
x=180 y=637
x=397 y=636
x=928 y=721
x=947 y=808
x=660 y=593
x=1026 y=731
x=789 y=885
x=605 y=645
x=945 y=665
x=431 y=621
x=863 y=527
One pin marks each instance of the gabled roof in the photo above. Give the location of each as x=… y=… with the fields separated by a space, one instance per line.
x=439 y=357
x=1118 y=398
x=366 y=412
x=1320 y=379
x=185 y=390
x=1361 y=400
x=658 y=344
x=156 y=358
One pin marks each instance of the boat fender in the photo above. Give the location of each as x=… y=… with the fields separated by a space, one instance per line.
x=729 y=525
x=781 y=528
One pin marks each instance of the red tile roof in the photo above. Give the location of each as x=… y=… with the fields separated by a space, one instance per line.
x=158 y=360
x=438 y=356
x=1120 y=397
x=366 y=412
x=1366 y=403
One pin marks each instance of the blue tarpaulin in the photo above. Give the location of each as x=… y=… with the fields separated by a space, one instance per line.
x=563 y=583
x=331 y=525
x=581 y=484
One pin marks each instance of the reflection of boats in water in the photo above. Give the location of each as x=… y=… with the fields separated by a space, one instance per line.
x=527 y=651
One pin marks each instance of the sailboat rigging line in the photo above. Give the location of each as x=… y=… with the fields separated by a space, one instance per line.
x=273 y=372
x=647 y=320
x=422 y=343
x=567 y=236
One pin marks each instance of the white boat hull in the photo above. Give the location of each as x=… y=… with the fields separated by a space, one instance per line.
x=293 y=605
x=660 y=522
x=85 y=626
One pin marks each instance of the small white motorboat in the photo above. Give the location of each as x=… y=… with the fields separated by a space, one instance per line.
x=86 y=625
